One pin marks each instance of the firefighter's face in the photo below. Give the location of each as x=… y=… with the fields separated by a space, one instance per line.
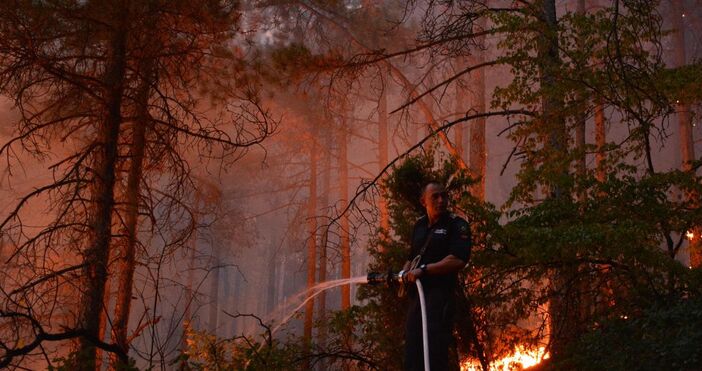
x=435 y=199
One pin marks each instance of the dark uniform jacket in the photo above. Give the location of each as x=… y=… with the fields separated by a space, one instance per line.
x=450 y=235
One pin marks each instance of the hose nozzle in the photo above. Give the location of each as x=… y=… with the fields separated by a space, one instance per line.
x=375 y=278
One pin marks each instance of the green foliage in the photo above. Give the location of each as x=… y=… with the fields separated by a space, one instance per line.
x=78 y=357
x=403 y=188
x=609 y=240
x=609 y=55
x=666 y=336
x=680 y=83
x=207 y=352
x=590 y=248
x=613 y=246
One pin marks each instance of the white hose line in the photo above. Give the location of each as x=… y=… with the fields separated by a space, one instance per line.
x=425 y=332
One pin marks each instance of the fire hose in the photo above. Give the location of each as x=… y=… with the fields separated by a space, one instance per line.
x=375 y=278
x=425 y=332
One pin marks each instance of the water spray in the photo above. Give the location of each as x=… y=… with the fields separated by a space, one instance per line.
x=373 y=278
x=390 y=278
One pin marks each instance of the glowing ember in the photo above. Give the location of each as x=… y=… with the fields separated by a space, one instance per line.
x=521 y=358
x=689 y=235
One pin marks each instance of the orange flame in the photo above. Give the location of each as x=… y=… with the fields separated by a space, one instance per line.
x=520 y=359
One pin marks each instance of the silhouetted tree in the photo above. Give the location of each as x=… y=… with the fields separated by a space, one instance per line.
x=79 y=71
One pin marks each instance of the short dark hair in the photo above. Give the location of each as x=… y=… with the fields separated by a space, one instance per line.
x=427 y=184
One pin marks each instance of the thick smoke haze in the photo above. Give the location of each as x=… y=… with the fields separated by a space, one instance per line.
x=229 y=209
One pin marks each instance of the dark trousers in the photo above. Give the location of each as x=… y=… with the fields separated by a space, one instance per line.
x=440 y=306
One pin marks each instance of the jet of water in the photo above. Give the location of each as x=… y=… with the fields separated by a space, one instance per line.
x=315 y=290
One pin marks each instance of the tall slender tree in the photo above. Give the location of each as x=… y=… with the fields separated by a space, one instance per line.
x=383 y=145
x=581 y=124
x=127 y=253
x=312 y=230
x=324 y=239
x=95 y=257
x=478 y=147
x=344 y=222
x=687 y=147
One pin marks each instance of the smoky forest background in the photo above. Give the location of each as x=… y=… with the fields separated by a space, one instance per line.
x=204 y=184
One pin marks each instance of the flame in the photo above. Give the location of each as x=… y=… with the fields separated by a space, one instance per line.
x=689 y=235
x=521 y=358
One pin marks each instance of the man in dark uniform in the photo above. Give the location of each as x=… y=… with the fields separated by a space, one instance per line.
x=441 y=245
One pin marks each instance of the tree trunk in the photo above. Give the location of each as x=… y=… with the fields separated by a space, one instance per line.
x=600 y=139
x=282 y=294
x=226 y=279
x=127 y=256
x=478 y=149
x=467 y=329
x=413 y=127
x=312 y=236
x=324 y=203
x=460 y=112
x=552 y=121
x=271 y=282
x=103 y=324
x=189 y=291
x=563 y=306
x=581 y=119
x=687 y=147
x=96 y=255
x=214 y=288
x=383 y=148
x=345 y=241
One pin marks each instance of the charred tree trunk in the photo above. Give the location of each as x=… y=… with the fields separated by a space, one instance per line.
x=127 y=255
x=103 y=323
x=97 y=253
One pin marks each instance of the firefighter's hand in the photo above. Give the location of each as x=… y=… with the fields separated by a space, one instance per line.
x=413 y=275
